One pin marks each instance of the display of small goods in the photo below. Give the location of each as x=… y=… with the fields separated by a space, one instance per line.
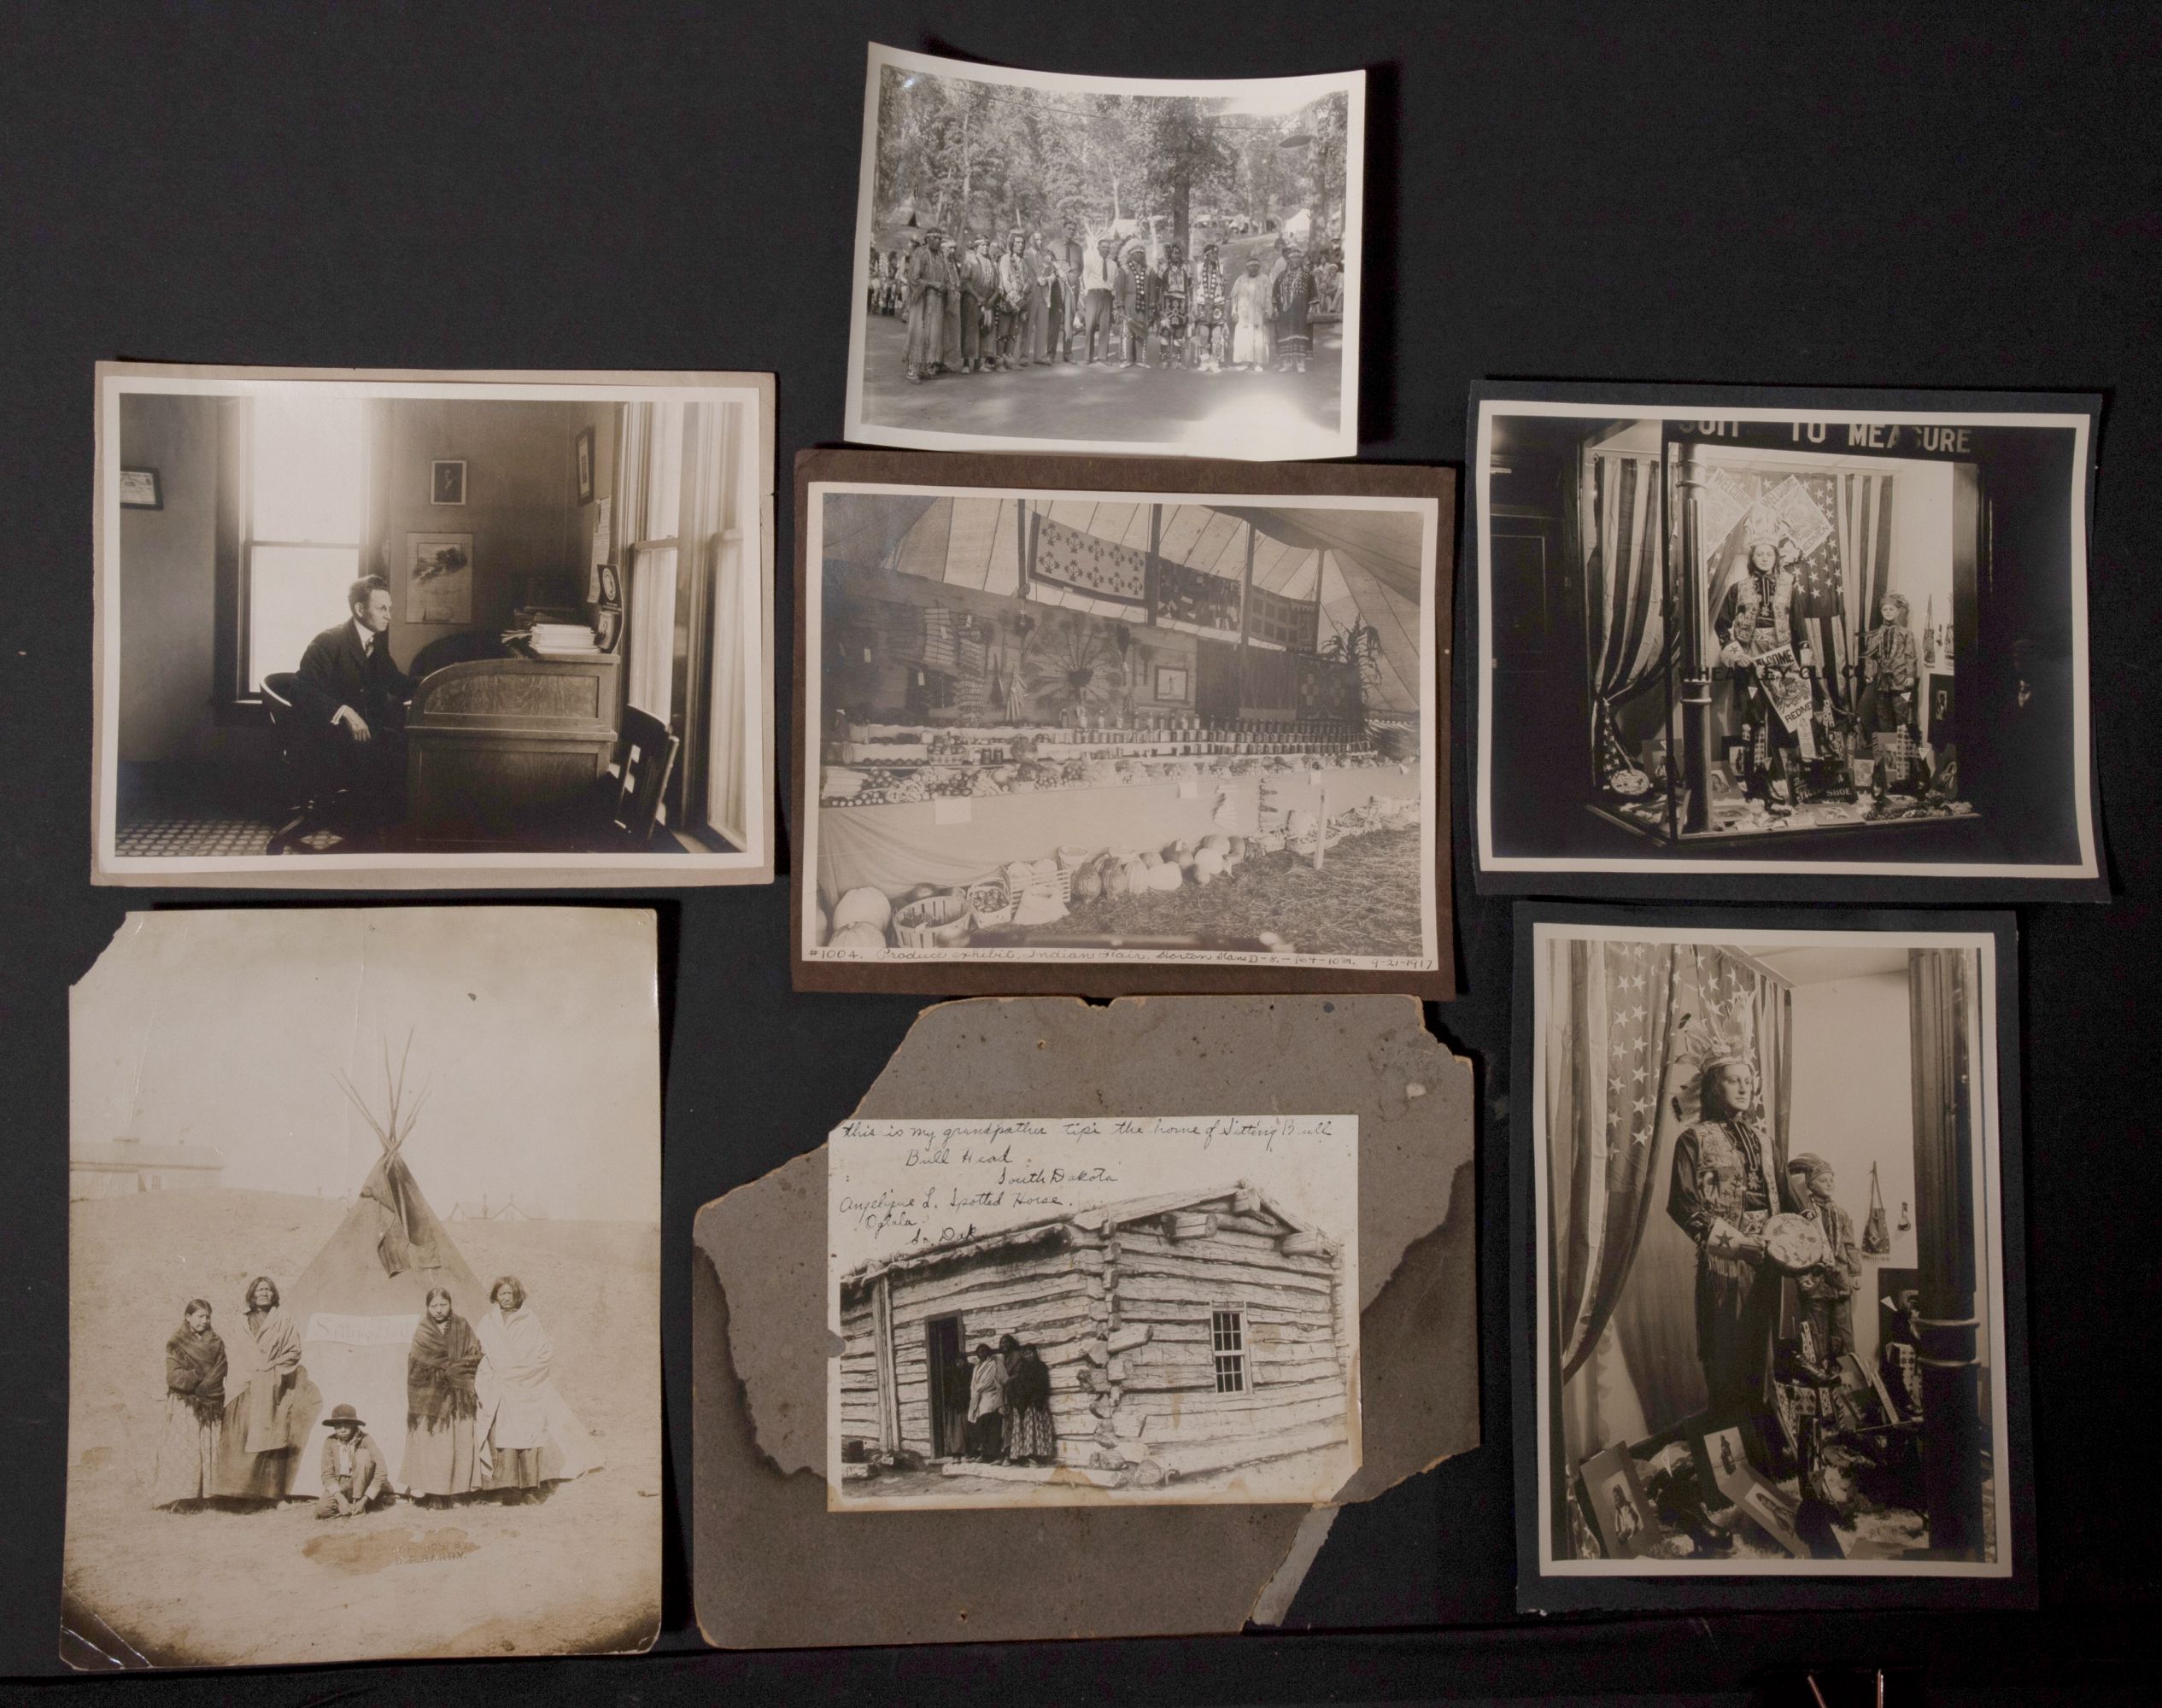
x=877 y=764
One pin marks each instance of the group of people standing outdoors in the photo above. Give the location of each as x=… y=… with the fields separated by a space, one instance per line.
x=1009 y=1405
x=481 y=1409
x=976 y=307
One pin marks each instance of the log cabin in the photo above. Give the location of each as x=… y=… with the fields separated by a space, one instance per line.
x=1186 y=1334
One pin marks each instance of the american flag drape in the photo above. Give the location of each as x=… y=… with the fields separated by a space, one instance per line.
x=1843 y=523
x=1636 y=1023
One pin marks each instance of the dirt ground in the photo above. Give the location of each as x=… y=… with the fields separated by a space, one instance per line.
x=1363 y=901
x=578 y=1571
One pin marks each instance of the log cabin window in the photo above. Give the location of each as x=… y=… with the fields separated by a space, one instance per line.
x=1228 y=1342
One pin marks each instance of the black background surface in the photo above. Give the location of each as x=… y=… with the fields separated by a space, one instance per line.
x=1954 y=195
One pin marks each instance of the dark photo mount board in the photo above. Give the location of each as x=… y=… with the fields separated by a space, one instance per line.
x=775 y=1569
x=1545 y=1592
x=1199 y=477
x=1799 y=851
x=1948 y=195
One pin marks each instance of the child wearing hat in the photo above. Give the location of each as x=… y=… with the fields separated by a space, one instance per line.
x=353 y=1478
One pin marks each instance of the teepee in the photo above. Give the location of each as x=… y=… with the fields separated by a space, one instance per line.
x=360 y=1300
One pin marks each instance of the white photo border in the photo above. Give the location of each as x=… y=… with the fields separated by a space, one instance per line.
x=1520 y=871
x=752 y=864
x=1343 y=443
x=1433 y=813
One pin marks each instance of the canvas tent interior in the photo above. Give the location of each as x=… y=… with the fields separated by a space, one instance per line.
x=359 y=1301
x=1356 y=566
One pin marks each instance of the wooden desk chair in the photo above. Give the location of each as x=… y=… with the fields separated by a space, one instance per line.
x=645 y=755
x=315 y=794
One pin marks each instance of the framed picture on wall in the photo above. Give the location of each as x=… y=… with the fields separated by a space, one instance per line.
x=1171 y=683
x=1685 y=1202
x=447 y=481
x=139 y=490
x=585 y=466
x=611 y=588
x=439 y=577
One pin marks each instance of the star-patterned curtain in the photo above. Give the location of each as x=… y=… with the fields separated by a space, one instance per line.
x=1618 y=520
x=1842 y=524
x=1634 y=1024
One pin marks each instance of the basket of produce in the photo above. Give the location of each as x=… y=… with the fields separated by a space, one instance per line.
x=991 y=902
x=942 y=921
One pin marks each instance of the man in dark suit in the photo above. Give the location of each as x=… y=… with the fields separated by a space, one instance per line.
x=350 y=688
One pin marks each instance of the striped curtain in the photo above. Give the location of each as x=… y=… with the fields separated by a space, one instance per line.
x=1863 y=520
x=1618 y=512
x=1630 y=1026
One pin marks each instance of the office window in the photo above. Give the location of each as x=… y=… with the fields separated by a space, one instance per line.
x=304 y=514
x=1228 y=1342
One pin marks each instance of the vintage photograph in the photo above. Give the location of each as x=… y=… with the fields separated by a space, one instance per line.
x=360 y=643
x=1782 y=634
x=1107 y=263
x=1744 y=1365
x=1109 y=727
x=364 y=1288
x=1042 y=1311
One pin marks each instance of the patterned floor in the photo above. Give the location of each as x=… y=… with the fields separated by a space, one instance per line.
x=156 y=833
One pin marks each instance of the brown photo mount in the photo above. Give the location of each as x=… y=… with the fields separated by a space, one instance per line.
x=1120 y=474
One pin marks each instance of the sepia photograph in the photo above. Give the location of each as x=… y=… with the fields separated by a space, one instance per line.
x=1745 y=1365
x=1107 y=263
x=1764 y=634
x=1089 y=729
x=363 y=642
x=364 y=1288
x=1047 y=1312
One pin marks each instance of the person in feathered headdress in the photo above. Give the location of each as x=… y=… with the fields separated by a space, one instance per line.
x=1728 y=1180
x=1756 y=616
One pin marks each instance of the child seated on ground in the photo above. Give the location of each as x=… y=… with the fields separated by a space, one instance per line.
x=352 y=1478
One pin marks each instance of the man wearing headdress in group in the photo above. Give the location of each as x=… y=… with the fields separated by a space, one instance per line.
x=1136 y=303
x=928 y=278
x=1174 y=286
x=1208 y=311
x=1728 y=1180
x=1016 y=282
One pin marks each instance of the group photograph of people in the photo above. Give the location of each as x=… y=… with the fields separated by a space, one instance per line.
x=1118 y=245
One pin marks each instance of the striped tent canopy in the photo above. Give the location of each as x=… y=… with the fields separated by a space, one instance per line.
x=1366 y=564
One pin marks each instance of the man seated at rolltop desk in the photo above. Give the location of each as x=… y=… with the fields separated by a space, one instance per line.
x=349 y=686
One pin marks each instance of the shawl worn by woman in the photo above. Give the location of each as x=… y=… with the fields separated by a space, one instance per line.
x=267 y=1417
x=439 y=1373
x=520 y=1407
x=186 y=1466
x=194 y=1370
x=1292 y=296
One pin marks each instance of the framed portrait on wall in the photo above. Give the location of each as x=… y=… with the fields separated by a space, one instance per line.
x=1711 y=1411
x=447 y=481
x=1172 y=684
x=585 y=466
x=139 y=490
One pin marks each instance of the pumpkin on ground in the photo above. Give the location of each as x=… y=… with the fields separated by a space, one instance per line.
x=1165 y=877
x=1214 y=843
x=825 y=925
x=1137 y=876
x=859 y=934
x=1209 y=861
x=1151 y=858
x=1114 y=881
x=1088 y=884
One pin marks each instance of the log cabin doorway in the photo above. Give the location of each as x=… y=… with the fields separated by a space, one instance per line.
x=948 y=1369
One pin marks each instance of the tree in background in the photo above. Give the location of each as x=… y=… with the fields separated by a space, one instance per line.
x=1185 y=150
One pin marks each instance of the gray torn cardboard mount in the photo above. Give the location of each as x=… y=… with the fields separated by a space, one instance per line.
x=773 y=1569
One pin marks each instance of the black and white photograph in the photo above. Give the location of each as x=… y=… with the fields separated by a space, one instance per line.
x=1720 y=1312
x=1067 y=263
x=364 y=1288
x=1722 y=635
x=1047 y=1312
x=359 y=643
x=1088 y=727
